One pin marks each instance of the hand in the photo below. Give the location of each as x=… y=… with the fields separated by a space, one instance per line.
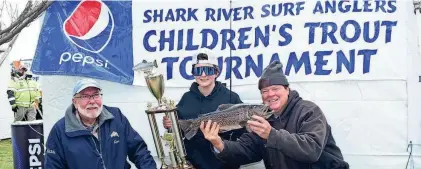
x=210 y=131
x=35 y=105
x=260 y=126
x=166 y=122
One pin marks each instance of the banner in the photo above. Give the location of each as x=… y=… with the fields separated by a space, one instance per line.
x=325 y=40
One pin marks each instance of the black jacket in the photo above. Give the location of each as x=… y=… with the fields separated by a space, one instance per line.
x=300 y=139
x=191 y=105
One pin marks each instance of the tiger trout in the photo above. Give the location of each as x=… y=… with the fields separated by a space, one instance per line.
x=228 y=116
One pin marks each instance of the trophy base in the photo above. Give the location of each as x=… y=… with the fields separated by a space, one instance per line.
x=185 y=166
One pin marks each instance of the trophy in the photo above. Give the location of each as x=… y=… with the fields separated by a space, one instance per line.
x=172 y=137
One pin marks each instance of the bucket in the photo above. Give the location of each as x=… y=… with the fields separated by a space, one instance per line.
x=28 y=144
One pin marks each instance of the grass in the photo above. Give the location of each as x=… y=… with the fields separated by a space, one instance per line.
x=6 y=155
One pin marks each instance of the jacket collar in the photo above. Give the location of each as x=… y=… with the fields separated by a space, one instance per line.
x=73 y=126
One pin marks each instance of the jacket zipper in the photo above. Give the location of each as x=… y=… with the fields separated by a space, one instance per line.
x=100 y=149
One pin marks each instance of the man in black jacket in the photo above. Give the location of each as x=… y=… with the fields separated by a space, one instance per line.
x=297 y=136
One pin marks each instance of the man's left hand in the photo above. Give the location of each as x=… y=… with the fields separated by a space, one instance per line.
x=260 y=126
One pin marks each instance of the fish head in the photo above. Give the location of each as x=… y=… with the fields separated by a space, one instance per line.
x=261 y=110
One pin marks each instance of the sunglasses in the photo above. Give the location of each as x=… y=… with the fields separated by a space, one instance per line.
x=198 y=71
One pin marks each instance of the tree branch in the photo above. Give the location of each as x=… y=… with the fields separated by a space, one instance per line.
x=32 y=15
x=21 y=17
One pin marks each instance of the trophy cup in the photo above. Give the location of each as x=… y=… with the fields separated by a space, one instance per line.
x=156 y=86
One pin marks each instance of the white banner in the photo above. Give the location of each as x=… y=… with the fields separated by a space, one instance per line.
x=315 y=40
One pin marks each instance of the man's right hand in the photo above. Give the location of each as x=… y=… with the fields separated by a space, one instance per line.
x=211 y=133
x=166 y=122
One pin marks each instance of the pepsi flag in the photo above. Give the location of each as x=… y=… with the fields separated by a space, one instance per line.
x=88 y=38
x=315 y=40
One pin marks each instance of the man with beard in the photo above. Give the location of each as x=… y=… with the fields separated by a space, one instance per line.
x=296 y=136
x=92 y=135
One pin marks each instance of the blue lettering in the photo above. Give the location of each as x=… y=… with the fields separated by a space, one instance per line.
x=169 y=40
x=286 y=35
x=205 y=33
x=392 y=6
x=342 y=60
x=227 y=36
x=265 y=10
x=389 y=25
x=263 y=37
x=250 y=64
x=367 y=53
x=220 y=65
x=318 y=8
x=190 y=46
x=170 y=16
x=234 y=69
x=158 y=15
x=180 y=42
x=344 y=8
x=242 y=37
x=320 y=62
x=329 y=33
x=298 y=63
x=248 y=12
x=146 y=44
x=312 y=27
x=180 y=14
x=357 y=31
x=148 y=16
x=170 y=63
x=209 y=14
x=367 y=32
x=367 y=6
x=183 y=68
x=356 y=9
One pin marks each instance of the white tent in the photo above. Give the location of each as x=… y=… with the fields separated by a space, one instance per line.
x=372 y=121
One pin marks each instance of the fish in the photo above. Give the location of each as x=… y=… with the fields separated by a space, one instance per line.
x=228 y=116
x=145 y=66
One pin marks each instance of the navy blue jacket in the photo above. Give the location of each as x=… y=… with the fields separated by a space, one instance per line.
x=191 y=105
x=70 y=145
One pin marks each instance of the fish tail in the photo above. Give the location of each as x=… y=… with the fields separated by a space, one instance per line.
x=188 y=127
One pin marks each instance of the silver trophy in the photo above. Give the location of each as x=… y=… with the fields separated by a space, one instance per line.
x=156 y=85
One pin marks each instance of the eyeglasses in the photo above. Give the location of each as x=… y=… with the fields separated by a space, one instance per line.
x=88 y=97
x=198 y=71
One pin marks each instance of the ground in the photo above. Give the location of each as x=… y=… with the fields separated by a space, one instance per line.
x=6 y=156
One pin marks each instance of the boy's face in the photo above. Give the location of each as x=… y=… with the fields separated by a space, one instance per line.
x=205 y=74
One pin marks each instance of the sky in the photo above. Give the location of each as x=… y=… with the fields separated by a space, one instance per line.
x=25 y=45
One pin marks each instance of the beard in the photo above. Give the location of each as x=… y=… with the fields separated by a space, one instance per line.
x=92 y=114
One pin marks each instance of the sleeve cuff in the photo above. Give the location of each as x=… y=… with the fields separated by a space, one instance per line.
x=224 y=153
x=274 y=138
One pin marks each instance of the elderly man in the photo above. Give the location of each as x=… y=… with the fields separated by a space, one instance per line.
x=297 y=136
x=92 y=135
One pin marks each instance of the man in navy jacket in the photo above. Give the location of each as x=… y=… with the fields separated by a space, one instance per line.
x=94 y=136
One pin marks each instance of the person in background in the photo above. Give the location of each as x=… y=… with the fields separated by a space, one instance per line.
x=24 y=95
x=92 y=135
x=296 y=136
x=204 y=96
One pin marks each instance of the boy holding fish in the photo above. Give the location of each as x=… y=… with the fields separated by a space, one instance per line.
x=204 y=96
x=296 y=136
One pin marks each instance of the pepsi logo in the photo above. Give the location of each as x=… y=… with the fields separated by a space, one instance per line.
x=90 y=26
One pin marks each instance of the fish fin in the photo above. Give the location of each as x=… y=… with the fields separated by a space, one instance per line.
x=188 y=128
x=224 y=106
x=244 y=124
x=185 y=124
x=191 y=133
x=268 y=115
x=229 y=128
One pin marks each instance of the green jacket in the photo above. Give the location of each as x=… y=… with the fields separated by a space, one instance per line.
x=23 y=92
